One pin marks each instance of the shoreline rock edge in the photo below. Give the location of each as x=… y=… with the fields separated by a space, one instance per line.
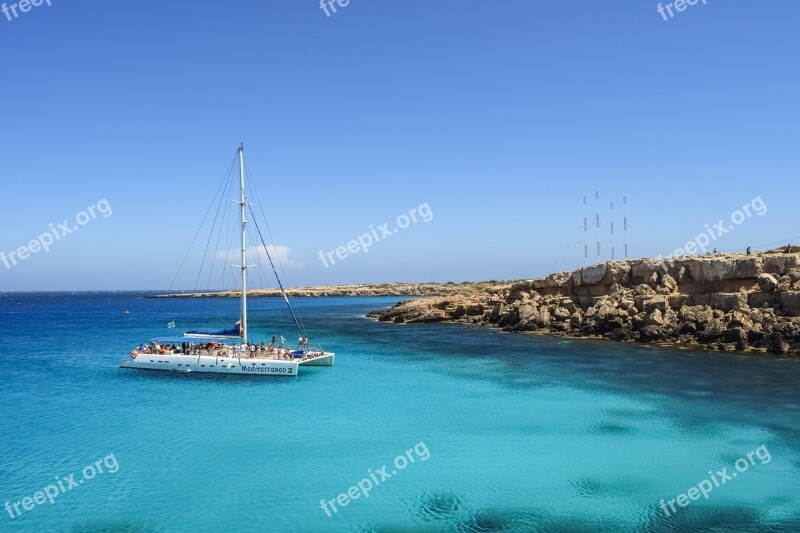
x=726 y=302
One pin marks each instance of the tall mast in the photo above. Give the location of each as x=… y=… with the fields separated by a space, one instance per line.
x=244 y=247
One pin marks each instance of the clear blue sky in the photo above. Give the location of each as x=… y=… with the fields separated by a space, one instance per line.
x=500 y=115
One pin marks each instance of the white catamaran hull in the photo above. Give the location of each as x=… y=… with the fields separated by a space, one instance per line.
x=224 y=365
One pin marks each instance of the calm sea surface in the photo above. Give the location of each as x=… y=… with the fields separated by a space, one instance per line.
x=508 y=432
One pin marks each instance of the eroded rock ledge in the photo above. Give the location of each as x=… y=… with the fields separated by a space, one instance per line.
x=721 y=301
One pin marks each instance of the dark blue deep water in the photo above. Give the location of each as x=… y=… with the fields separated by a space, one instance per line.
x=508 y=432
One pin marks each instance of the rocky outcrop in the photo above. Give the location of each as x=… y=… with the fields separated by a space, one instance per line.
x=721 y=301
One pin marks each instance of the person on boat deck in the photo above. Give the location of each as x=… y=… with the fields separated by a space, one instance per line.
x=273 y=340
x=283 y=342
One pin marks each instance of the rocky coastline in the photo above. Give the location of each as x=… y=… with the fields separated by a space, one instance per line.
x=363 y=290
x=727 y=302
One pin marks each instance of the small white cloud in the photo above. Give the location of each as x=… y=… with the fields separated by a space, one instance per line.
x=280 y=255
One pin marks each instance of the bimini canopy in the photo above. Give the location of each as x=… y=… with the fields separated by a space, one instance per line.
x=233 y=333
x=180 y=340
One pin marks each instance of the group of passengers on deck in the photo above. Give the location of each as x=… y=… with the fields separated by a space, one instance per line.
x=217 y=349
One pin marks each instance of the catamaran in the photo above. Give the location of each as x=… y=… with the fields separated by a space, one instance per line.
x=231 y=350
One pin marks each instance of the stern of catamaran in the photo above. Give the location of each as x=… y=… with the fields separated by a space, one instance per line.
x=318 y=359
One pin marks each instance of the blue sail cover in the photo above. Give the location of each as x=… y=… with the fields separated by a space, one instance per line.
x=233 y=333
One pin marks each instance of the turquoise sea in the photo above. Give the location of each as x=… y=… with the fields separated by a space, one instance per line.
x=518 y=433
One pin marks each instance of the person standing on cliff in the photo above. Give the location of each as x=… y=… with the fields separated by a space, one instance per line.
x=788 y=249
x=748 y=250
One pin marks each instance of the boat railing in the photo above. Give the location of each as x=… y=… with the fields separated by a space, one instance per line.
x=288 y=353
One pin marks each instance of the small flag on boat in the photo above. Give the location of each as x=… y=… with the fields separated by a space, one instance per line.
x=171 y=324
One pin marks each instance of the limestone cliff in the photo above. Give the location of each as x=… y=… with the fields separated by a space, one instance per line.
x=720 y=301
